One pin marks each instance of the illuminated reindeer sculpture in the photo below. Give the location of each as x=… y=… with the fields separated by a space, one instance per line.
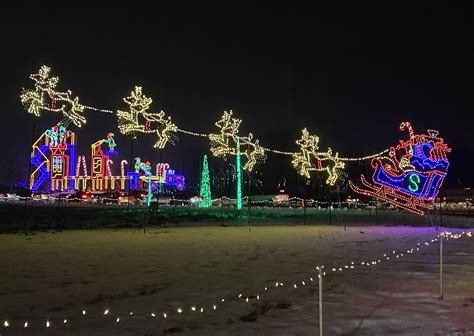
x=309 y=159
x=45 y=97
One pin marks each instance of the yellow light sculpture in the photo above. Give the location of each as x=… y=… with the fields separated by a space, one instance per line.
x=309 y=159
x=45 y=97
x=138 y=120
x=254 y=153
x=225 y=143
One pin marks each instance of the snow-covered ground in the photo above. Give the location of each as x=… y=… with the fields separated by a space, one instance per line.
x=54 y=276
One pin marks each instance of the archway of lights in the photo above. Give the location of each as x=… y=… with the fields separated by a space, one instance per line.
x=407 y=175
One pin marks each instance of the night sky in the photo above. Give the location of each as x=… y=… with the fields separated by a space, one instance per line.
x=350 y=74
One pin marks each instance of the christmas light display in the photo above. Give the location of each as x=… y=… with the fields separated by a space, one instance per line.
x=224 y=143
x=138 y=120
x=101 y=175
x=418 y=189
x=165 y=176
x=254 y=153
x=45 y=97
x=205 y=189
x=412 y=173
x=110 y=141
x=147 y=177
x=57 y=135
x=309 y=159
x=123 y=163
x=53 y=157
x=161 y=170
x=109 y=170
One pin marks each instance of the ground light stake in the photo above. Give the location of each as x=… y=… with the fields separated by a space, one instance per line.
x=320 y=277
x=441 y=267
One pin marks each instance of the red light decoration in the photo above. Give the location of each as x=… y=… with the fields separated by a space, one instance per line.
x=412 y=174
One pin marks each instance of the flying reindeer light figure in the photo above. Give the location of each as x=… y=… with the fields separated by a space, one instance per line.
x=309 y=159
x=138 y=120
x=254 y=153
x=225 y=142
x=45 y=97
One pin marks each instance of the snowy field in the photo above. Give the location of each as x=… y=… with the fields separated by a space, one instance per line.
x=54 y=276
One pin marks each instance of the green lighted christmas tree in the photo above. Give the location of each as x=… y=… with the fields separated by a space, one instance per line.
x=205 y=191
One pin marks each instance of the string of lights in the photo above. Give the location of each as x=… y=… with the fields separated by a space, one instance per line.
x=119 y=316
x=192 y=133
x=364 y=158
x=97 y=109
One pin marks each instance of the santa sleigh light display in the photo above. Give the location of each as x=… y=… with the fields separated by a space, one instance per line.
x=410 y=177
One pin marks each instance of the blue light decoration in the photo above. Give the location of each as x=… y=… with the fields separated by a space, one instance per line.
x=134 y=180
x=174 y=180
x=164 y=177
x=411 y=176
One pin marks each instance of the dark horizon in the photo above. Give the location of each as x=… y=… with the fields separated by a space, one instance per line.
x=350 y=75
